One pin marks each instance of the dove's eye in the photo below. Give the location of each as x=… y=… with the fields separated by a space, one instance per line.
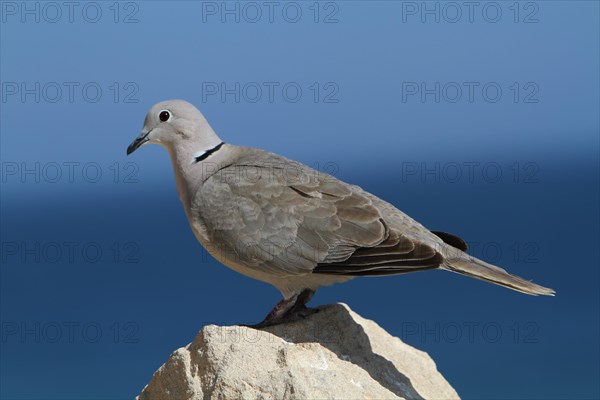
x=164 y=116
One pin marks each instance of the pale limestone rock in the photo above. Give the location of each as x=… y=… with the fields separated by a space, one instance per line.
x=332 y=354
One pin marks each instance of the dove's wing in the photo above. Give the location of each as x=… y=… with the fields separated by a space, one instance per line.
x=284 y=218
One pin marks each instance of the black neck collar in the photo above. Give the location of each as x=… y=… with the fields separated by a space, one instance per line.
x=208 y=152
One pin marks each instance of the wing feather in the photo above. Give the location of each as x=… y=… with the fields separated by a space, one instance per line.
x=304 y=222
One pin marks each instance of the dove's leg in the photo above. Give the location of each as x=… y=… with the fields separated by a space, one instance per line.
x=288 y=309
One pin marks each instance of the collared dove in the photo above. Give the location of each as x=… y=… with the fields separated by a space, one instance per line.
x=281 y=222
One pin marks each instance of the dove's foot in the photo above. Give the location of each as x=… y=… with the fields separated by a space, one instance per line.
x=288 y=310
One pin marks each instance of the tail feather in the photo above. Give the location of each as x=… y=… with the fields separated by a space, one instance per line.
x=479 y=269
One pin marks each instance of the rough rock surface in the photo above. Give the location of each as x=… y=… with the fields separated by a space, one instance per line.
x=332 y=354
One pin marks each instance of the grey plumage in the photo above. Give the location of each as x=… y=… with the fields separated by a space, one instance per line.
x=284 y=223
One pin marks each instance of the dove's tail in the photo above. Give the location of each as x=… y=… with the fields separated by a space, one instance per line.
x=476 y=268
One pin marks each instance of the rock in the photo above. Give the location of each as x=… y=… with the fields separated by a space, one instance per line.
x=332 y=354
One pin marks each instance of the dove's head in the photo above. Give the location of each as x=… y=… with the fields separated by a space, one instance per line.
x=175 y=124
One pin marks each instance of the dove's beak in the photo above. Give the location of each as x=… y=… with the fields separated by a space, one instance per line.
x=140 y=140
